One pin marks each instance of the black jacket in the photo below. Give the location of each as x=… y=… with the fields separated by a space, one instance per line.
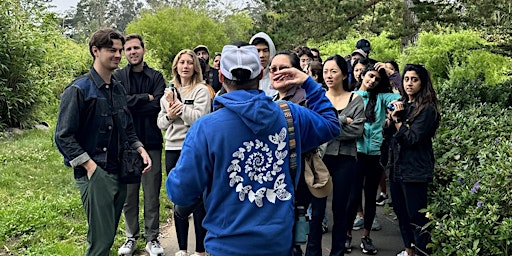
x=410 y=153
x=144 y=112
x=85 y=126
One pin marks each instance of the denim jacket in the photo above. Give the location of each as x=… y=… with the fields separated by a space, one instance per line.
x=85 y=123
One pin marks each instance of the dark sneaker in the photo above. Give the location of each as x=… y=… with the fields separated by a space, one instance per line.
x=348 y=244
x=367 y=246
x=381 y=200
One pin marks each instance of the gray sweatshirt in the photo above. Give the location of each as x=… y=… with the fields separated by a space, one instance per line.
x=345 y=143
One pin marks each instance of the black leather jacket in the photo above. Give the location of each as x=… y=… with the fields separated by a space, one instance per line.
x=85 y=125
x=410 y=153
x=144 y=112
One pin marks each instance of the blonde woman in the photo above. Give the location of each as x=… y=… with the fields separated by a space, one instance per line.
x=182 y=104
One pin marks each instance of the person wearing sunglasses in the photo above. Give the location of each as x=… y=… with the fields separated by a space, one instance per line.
x=294 y=93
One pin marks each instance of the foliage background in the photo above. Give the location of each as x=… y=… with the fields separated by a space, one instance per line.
x=468 y=55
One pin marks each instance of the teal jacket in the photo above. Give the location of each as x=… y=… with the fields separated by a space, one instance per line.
x=372 y=137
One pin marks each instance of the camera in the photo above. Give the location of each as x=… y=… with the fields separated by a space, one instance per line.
x=391 y=107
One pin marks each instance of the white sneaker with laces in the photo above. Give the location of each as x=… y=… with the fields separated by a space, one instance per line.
x=403 y=253
x=128 y=248
x=154 y=248
x=181 y=253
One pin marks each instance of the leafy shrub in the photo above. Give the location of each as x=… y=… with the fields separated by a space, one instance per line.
x=35 y=66
x=383 y=48
x=470 y=205
x=169 y=30
x=464 y=92
x=18 y=57
x=457 y=55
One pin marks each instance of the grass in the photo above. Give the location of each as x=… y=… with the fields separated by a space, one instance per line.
x=41 y=212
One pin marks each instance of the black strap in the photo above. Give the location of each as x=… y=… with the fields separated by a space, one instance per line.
x=351 y=95
x=292 y=143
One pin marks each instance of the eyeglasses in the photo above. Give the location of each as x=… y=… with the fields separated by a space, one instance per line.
x=275 y=69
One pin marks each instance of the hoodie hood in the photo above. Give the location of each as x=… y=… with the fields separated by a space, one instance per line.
x=254 y=108
x=265 y=83
x=271 y=46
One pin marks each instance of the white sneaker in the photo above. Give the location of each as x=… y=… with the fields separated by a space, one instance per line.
x=358 y=223
x=154 y=248
x=403 y=253
x=128 y=248
x=181 y=253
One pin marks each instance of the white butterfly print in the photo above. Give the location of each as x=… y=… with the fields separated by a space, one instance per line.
x=280 y=188
x=234 y=167
x=257 y=196
x=242 y=191
x=239 y=154
x=235 y=179
x=249 y=145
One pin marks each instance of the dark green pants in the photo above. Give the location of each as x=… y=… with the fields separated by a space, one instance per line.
x=103 y=198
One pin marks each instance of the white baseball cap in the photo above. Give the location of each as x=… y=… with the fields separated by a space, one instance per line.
x=240 y=57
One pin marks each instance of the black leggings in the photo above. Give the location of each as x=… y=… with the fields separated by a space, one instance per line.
x=368 y=174
x=408 y=199
x=181 y=213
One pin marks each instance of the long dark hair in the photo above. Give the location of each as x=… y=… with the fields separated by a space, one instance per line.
x=382 y=87
x=356 y=84
x=342 y=64
x=426 y=95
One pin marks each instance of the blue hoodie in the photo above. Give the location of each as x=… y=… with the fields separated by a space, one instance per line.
x=242 y=170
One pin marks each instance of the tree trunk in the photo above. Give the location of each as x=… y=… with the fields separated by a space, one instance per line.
x=410 y=24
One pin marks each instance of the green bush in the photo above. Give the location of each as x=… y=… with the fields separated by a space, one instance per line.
x=19 y=54
x=454 y=55
x=383 y=48
x=35 y=65
x=464 y=92
x=470 y=207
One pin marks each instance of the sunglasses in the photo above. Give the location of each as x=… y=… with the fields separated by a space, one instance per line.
x=275 y=69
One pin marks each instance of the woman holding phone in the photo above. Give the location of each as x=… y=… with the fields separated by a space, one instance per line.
x=409 y=128
x=186 y=101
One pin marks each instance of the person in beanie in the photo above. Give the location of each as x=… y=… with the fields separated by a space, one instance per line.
x=242 y=171
x=211 y=74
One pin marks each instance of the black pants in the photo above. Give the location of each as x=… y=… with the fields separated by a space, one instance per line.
x=181 y=213
x=341 y=168
x=368 y=174
x=408 y=199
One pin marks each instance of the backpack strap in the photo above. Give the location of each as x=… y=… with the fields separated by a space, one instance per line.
x=291 y=134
